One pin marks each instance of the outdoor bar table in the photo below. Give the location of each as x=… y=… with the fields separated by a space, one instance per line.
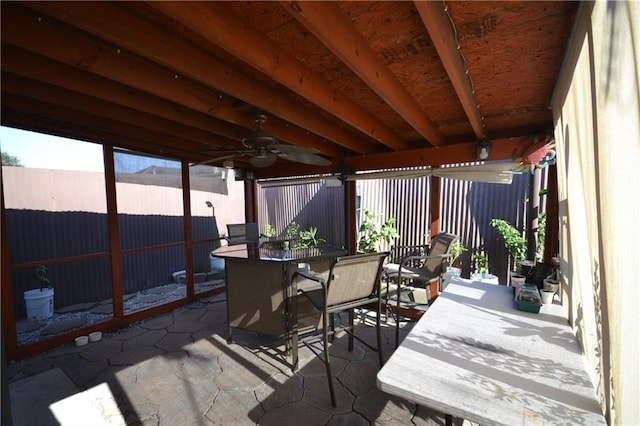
x=261 y=296
x=474 y=355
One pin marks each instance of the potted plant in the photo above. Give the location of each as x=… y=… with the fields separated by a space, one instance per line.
x=456 y=250
x=372 y=234
x=308 y=238
x=39 y=301
x=516 y=245
x=552 y=283
x=481 y=264
x=513 y=240
x=303 y=238
x=547 y=294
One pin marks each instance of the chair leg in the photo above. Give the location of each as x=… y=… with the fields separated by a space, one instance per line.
x=294 y=350
x=379 y=334
x=351 y=329
x=398 y=315
x=332 y=325
x=325 y=342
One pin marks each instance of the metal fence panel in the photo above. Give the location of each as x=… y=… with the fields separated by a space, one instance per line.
x=466 y=209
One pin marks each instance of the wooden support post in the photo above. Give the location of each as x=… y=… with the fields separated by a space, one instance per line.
x=350 y=222
x=114 y=234
x=551 y=233
x=187 y=226
x=250 y=198
x=532 y=214
x=434 y=227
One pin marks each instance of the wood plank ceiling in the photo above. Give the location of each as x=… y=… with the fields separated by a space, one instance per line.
x=370 y=84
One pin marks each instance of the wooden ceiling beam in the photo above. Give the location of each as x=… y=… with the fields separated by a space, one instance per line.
x=122 y=28
x=187 y=137
x=105 y=130
x=41 y=69
x=350 y=46
x=502 y=149
x=24 y=30
x=440 y=29
x=218 y=23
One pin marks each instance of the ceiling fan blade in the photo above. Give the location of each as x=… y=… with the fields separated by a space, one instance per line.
x=292 y=149
x=213 y=160
x=306 y=158
x=211 y=149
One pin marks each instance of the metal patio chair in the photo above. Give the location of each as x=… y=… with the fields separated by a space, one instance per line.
x=242 y=233
x=414 y=282
x=353 y=281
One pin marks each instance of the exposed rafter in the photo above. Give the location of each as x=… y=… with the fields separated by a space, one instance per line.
x=370 y=84
x=220 y=25
x=443 y=34
x=351 y=47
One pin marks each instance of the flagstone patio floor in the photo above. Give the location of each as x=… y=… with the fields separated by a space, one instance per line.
x=179 y=369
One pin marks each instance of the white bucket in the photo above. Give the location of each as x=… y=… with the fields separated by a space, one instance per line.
x=39 y=303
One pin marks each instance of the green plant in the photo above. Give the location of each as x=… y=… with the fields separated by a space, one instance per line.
x=481 y=262
x=540 y=237
x=513 y=240
x=371 y=233
x=308 y=238
x=41 y=274
x=269 y=231
x=456 y=250
x=292 y=231
x=303 y=238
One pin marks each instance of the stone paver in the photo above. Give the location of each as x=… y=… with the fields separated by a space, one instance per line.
x=103 y=309
x=80 y=307
x=178 y=368
x=27 y=326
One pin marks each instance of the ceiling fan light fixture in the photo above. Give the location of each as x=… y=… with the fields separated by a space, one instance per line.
x=483 y=149
x=263 y=160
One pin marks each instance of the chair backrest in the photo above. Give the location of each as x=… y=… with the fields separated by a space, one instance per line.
x=400 y=252
x=440 y=244
x=242 y=233
x=354 y=277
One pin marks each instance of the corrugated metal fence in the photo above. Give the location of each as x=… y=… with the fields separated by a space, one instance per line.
x=466 y=209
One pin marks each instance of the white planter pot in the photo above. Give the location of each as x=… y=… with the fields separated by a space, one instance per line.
x=547 y=297
x=554 y=284
x=517 y=280
x=39 y=303
x=452 y=273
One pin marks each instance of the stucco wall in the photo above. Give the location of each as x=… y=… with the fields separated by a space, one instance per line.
x=68 y=190
x=597 y=126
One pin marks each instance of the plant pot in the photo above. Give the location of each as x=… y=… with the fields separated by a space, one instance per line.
x=452 y=273
x=39 y=303
x=547 y=297
x=554 y=284
x=517 y=280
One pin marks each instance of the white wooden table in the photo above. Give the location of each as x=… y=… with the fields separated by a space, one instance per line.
x=474 y=355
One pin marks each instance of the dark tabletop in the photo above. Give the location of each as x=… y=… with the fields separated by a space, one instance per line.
x=256 y=252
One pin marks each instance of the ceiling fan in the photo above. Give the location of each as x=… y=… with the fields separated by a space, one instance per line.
x=264 y=148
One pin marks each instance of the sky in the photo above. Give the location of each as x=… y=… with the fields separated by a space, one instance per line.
x=38 y=150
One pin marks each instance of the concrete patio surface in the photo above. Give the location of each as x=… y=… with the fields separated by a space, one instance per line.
x=178 y=369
